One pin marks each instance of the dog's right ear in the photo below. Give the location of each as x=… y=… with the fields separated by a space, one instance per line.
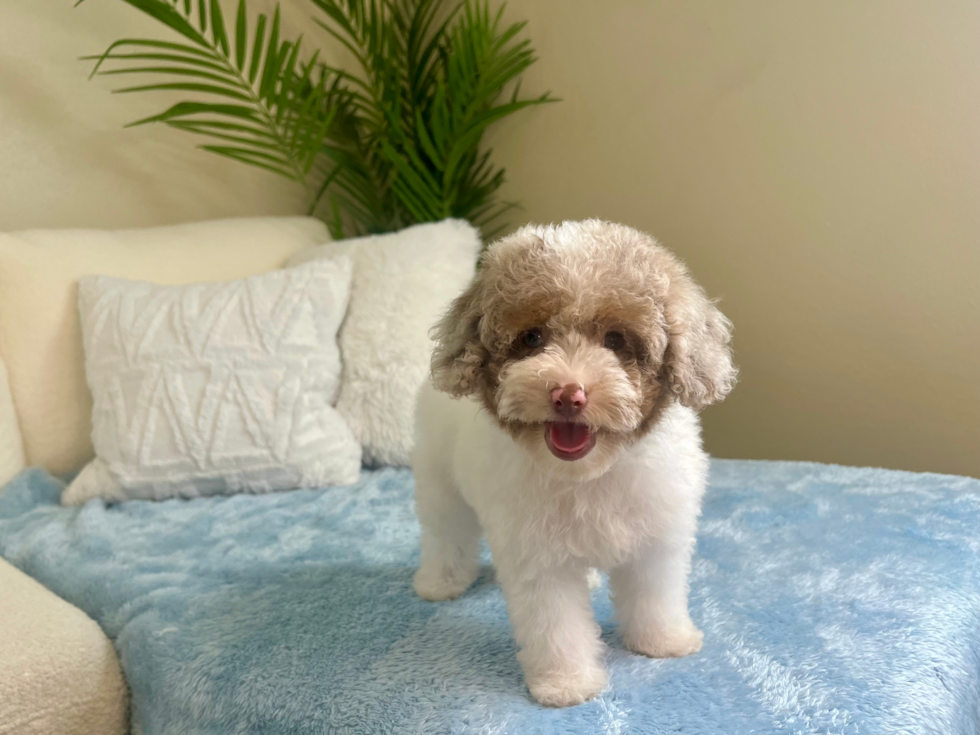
x=459 y=357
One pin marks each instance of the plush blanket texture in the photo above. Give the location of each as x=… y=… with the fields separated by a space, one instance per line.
x=833 y=600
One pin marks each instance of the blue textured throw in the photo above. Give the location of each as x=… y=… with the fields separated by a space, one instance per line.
x=833 y=600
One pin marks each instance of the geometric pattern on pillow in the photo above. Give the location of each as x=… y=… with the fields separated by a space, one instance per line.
x=215 y=388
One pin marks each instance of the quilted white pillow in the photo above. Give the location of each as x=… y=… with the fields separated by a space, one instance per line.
x=215 y=388
x=403 y=282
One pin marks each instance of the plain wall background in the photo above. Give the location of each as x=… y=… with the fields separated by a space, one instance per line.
x=816 y=163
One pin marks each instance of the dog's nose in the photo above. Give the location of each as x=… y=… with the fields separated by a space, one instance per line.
x=569 y=400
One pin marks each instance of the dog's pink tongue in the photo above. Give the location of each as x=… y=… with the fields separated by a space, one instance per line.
x=569 y=437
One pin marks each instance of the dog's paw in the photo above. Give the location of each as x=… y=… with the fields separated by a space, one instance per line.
x=442 y=583
x=568 y=688
x=680 y=640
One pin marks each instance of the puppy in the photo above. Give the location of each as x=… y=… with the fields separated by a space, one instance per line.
x=581 y=353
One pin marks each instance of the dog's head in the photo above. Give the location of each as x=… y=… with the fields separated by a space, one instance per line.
x=575 y=337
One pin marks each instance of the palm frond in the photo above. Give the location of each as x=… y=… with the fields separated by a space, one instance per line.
x=277 y=120
x=395 y=142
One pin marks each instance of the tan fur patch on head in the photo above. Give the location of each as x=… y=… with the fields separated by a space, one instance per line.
x=575 y=283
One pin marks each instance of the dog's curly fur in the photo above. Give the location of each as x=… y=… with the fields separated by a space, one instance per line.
x=630 y=505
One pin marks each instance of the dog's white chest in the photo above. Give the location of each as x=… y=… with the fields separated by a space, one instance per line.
x=604 y=526
x=539 y=517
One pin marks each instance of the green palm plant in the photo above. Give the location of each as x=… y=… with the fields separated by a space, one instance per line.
x=394 y=142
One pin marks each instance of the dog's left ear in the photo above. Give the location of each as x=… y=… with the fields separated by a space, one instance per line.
x=697 y=366
x=459 y=357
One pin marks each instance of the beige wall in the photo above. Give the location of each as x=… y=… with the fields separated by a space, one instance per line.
x=65 y=159
x=818 y=165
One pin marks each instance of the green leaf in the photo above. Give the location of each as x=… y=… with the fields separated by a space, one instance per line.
x=262 y=155
x=335 y=224
x=210 y=124
x=170 y=17
x=241 y=35
x=246 y=140
x=187 y=87
x=327 y=181
x=249 y=157
x=414 y=191
x=430 y=148
x=271 y=69
x=218 y=27
x=142 y=43
x=286 y=80
x=189 y=60
x=176 y=70
x=352 y=47
x=257 y=49
x=185 y=109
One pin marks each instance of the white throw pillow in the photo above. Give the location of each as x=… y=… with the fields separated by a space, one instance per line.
x=403 y=282
x=40 y=335
x=215 y=388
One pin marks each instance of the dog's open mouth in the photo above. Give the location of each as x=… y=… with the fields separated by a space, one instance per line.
x=567 y=440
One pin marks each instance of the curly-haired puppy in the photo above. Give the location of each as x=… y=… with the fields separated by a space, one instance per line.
x=582 y=353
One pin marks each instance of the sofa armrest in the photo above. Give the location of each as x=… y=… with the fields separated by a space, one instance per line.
x=58 y=670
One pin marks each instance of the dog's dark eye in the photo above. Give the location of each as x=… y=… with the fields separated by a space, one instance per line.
x=614 y=341
x=533 y=338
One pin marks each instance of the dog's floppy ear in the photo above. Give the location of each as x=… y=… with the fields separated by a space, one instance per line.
x=697 y=366
x=459 y=357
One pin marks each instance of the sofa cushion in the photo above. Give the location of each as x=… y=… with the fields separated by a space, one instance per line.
x=11 y=445
x=58 y=671
x=403 y=281
x=215 y=388
x=832 y=599
x=40 y=334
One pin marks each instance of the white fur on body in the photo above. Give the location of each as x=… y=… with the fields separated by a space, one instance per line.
x=547 y=528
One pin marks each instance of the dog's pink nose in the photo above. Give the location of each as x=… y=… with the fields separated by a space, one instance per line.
x=569 y=400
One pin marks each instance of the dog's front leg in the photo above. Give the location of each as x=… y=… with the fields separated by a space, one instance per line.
x=650 y=595
x=555 y=629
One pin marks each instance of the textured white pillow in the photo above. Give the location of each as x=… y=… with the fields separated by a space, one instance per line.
x=403 y=282
x=215 y=388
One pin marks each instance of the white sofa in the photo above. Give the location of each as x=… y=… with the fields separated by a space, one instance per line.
x=58 y=671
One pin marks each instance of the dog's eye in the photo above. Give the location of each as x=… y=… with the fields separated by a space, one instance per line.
x=533 y=338
x=614 y=341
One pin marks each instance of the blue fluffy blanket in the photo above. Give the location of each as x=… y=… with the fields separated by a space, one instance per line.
x=833 y=600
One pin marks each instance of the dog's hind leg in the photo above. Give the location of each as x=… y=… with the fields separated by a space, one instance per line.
x=450 y=537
